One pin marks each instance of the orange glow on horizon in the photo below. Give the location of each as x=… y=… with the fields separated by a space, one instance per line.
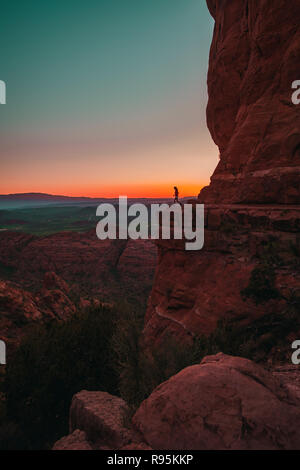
x=114 y=191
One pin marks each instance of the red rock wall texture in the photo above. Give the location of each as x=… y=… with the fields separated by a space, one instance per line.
x=193 y=290
x=254 y=59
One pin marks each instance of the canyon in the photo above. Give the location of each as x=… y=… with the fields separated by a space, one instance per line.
x=52 y=277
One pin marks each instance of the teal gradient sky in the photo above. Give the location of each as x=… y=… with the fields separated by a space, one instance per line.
x=105 y=97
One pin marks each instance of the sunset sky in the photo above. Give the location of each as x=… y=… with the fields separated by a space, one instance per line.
x=105 y=97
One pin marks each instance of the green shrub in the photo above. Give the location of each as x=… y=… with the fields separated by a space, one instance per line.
x=140 y=370
x=260 y=340
x=269 y=253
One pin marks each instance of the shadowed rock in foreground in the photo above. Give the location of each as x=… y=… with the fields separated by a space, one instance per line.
x=225 y=402
x=97 y=421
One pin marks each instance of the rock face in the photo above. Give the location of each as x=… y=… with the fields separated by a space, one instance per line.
x=254 y=60
x=290 y=377
x=192 y=291
x=252 y=202
x=223 y=403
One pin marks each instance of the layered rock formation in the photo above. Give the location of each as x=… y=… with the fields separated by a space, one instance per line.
x=44 y=277
x=252 y=204
x=223 y=403
x=254 y=59
x=193 y=291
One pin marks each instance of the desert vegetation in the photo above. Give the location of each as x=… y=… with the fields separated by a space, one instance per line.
x=101 y=349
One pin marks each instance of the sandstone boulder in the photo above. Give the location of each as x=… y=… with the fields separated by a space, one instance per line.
x=223 y=403
x=99 y=421
x=102 y=417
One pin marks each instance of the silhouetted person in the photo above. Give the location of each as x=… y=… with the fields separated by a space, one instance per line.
x=176 y=194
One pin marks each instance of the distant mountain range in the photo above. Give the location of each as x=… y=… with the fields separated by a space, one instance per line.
x=46 y=197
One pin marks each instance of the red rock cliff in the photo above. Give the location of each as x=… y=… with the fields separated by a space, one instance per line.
x=254 y=59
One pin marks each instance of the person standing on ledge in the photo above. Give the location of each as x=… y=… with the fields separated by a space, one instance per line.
x=176 y=194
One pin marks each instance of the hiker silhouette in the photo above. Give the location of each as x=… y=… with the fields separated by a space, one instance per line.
x=176 y=194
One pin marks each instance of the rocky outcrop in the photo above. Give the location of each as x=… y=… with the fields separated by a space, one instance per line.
x=193 y=291
x=20 y=309
x=289 y=375
x=97 y=421
x=52 y=281
x=43 y=277
x=253 y=62
x=101 y=416
x=224 y=402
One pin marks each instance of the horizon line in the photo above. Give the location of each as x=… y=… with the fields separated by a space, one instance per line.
x=89 y=197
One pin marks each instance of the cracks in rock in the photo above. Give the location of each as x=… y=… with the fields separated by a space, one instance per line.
x=161 y=315
x=246 y=30
x=260 y=382
x=121 y=246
